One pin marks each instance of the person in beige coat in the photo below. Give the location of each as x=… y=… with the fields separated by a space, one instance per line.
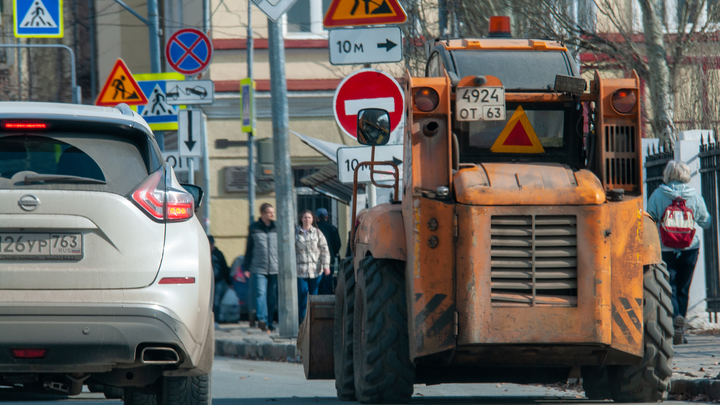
x=313 y=259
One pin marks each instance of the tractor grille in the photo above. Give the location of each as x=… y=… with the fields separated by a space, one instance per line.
x=534 y=261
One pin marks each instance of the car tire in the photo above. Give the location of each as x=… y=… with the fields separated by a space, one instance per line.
x=596 y=382
x=112 y=392
x=138 y=396
x=650 y=381
x=343 y=332
x=383 y=370
x=186 y=390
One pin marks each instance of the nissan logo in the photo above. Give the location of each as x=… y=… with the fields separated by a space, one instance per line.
x=28 y=202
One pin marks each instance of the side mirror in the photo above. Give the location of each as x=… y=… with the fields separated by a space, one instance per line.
x=373 y=127
x=196 y=192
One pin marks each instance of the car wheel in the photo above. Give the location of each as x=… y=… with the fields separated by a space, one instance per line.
x=137 y=396
x=186 y=390
x=112 y=392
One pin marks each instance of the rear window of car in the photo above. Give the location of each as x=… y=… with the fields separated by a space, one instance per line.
x=120 y=162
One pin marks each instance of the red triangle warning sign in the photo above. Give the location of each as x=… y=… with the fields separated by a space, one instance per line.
x=364 y=12
x=121 y=87
x=518 y=136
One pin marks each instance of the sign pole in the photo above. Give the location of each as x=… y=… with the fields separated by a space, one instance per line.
x=251 y=149
x=154 y=34
x=287 y=275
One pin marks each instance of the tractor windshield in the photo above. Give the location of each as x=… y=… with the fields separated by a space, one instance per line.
x=517 y=70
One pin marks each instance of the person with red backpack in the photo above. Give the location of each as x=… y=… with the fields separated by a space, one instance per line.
x=677 y=208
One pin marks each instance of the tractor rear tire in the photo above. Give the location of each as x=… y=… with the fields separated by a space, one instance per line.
x=343 y=331
x=596 y=382
x=650 y=381
x=384 y=372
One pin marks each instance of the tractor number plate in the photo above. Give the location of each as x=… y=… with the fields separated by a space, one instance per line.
x=480 y=104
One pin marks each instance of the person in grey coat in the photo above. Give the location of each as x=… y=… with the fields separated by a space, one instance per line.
x=261 y=265
x=680 y=262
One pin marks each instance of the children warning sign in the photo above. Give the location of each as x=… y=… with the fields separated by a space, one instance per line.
x=364 y=12
x=120 y=87
x=518 y=136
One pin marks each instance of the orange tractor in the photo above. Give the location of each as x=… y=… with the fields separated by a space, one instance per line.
x=518 y=250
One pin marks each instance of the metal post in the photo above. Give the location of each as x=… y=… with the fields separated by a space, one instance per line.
x=93 y=50
x=206 y=175
x=251 y=149
x=287 y=297
x=72 y=62
x=154 y=33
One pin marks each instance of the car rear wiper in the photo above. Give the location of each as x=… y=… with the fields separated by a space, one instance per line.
x=60 y=178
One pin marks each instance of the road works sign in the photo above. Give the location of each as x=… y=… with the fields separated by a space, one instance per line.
x=189 y=51
x=120 y=87
x=38 y=18
x=364 y=12
x=365 y=45
x=274 y=9
x=367 y=88
x=518 y=136
x=159 y=114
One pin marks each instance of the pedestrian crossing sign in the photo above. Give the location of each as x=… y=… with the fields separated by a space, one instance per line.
x=160 y=115
x=121 y=87
x=38 y=18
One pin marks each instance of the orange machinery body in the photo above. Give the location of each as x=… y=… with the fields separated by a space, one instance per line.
x=456 y=249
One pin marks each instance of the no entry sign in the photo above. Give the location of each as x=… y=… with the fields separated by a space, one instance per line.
x=367 y=88
x=189 y=51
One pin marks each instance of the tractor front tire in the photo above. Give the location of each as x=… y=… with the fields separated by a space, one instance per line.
x=383 y=370
x=650 y=381
x=343 y=332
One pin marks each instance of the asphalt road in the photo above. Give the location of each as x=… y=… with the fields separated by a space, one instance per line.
x=244 y=382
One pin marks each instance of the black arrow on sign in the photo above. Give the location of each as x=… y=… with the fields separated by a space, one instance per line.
x=190 y=143
x=397 y=161
x=388 y=45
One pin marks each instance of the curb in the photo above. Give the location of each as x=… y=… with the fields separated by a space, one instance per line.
x=255 y=350
x=695 y=387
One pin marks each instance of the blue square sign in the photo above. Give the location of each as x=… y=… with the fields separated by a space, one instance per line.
x=38 y=18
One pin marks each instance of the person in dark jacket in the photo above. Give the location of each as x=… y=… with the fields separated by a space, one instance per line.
x=221 y=271
x=261 y=265
x=333 y=241
x=680 y=262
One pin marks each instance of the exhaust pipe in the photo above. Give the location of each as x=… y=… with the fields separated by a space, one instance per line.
x=159 y=355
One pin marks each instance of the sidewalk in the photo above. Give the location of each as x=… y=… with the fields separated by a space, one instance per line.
x=696 y=365
x=240 y=340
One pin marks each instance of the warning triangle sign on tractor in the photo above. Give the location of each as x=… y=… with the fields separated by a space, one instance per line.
x=518 y=136
x=364 y=12
x=38 y=16
x=121 y=87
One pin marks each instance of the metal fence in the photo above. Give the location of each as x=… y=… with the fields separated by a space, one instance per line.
x=710 y=181
x=655 y=165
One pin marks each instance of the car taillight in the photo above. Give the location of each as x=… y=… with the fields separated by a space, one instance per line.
x=24 y=125
x=172 y=205
x=28 y=353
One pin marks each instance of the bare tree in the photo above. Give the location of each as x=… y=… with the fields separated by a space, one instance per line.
x=662 y=46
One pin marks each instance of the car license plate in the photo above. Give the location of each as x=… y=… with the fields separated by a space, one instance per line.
x=480 y=104
x=41 y=246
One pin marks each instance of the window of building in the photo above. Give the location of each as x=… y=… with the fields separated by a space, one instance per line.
x=305 y=19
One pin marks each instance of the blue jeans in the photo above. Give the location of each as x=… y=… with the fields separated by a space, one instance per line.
x=306 y=286
x=265 y=286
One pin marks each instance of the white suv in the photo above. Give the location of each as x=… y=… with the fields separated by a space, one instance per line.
x=105 y=273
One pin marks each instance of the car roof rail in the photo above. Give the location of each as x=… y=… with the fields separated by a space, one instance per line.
x=124 y=109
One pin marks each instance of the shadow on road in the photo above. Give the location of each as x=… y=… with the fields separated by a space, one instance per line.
x=415 y=400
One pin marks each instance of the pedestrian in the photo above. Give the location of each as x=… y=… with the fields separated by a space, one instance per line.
x=221 y=271
x=313 y=259
x=261 y=265
x=680 y=261
x=332 y=236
